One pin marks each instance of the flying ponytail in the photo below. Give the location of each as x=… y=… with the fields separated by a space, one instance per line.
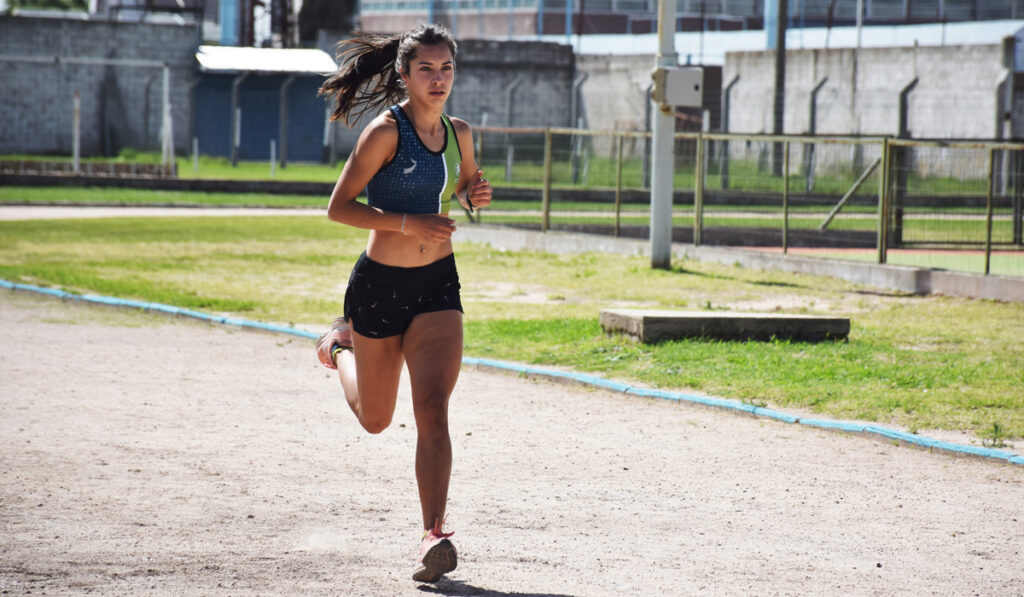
x=369 y=78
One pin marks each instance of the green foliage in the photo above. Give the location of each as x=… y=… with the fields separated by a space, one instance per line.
x=994 y=436
x=70 y=5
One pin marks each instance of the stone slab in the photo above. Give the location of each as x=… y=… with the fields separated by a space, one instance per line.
x=650 y=326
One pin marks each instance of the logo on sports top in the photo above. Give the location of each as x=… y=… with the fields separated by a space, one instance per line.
x=410 y=168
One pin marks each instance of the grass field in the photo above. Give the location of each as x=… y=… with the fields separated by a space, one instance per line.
x=104 y=195
x=920 y=362
x=212 y=167
x=956 y=226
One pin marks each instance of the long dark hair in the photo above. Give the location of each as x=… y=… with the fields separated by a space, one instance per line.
x=371 y=64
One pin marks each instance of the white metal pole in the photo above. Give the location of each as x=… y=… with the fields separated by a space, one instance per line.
x=236 y=143
x=169 y=145
x=663 y=146
x=273 y=156
x=76 y=132
x=167 y=153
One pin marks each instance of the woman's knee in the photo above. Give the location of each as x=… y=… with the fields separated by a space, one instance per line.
x=432 y=413
x=376 y=411
x=375 y=423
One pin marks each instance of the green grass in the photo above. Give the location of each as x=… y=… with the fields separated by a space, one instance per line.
x=106 y=195
x=744 y=175
x=210 y=167
x=916 y=230
x=919 y=362
x=802 y=217
x=221 y=168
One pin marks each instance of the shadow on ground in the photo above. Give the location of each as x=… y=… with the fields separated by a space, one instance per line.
x=460 y=588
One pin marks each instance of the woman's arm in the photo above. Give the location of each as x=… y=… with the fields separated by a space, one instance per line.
x=376 y=146
x=473 y=190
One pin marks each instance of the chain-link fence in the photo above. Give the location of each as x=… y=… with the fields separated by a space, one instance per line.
x=941 y=204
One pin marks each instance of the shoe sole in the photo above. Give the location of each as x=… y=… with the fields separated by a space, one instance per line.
x=320 y=342
x=439 y=560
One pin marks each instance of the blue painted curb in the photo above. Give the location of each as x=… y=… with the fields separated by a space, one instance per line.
x=159 y=308
x=581 y=378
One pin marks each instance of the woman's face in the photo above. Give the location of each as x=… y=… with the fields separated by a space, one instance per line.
x=430 y=75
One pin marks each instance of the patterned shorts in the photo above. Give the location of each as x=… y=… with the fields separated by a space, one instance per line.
x=382 y=300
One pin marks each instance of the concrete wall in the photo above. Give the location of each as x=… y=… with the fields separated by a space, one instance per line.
x=626 y=107
x=121 y=105
x=956 y=96
x=486 y=69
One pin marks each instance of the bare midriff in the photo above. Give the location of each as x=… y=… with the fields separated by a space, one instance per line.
x=399 y=250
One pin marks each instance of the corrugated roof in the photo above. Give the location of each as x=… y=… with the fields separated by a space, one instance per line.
x=268 y=60
x=711 y=47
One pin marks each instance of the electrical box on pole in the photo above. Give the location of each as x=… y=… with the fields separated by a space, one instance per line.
x=678 y=86
x=673 y=86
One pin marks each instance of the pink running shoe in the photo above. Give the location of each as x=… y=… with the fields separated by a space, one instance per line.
x=437 y=556
x=339 y=337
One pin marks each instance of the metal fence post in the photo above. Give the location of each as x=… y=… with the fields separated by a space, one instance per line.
x=785 y=197
x=236 y=116
x=698 y=192
x=988 y=209
x=510 y=153
x=1017 y=157
x=76 y=132
x=282 y=118
x=546 y=192
x=618 y=185
x=883 y=201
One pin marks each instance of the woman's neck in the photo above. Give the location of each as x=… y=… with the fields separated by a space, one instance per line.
x=424 y=118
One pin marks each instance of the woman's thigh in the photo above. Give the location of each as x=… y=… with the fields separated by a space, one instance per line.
x=433 y=353
x=378 y=371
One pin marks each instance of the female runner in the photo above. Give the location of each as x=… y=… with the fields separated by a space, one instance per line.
x=402 y=304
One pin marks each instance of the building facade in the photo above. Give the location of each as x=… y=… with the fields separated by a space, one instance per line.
x=516 y=18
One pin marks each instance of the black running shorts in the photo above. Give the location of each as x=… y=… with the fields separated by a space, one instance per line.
x=382 y=300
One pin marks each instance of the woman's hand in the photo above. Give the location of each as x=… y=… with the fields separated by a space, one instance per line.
x=429 y=228
x=478 y=193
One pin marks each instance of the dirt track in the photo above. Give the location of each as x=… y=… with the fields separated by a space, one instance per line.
x=140 y=454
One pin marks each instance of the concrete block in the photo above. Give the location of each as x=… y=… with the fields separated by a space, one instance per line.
x=651 y=326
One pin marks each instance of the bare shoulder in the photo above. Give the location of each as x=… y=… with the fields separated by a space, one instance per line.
x=463 y=132
x=461 y=126
x=379 y=140
x=381 y=129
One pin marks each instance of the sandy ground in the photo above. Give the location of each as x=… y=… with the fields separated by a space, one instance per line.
x=140 y=454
